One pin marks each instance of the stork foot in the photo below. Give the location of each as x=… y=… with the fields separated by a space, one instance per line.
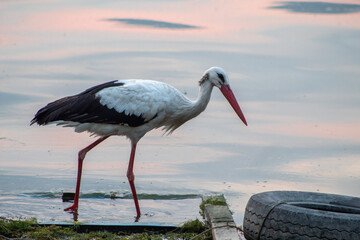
x=137 y=218
x=73 y=208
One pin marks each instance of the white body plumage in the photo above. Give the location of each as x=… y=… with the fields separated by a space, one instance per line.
x=160 y=104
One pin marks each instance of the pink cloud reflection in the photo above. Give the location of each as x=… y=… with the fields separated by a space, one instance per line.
x=229 y=21
x=340 y=131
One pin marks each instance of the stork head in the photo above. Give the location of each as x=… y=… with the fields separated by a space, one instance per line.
x=218 y=78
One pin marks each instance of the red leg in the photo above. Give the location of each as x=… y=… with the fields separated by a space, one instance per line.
x=81 y=158
x=131 y=177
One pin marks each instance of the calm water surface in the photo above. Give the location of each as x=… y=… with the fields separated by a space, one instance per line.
x=294 y=67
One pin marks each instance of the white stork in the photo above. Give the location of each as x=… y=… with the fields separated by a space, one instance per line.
x=131 y=108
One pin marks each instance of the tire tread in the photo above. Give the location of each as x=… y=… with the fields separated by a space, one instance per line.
x=285 y=221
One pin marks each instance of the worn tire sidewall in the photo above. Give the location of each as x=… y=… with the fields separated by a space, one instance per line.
x=286 y=220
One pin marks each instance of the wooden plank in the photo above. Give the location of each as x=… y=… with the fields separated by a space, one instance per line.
x=221 y=222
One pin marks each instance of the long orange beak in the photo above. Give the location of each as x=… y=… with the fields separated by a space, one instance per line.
x=229 y=95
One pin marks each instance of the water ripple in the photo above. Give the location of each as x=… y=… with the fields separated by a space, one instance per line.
x=100 y=195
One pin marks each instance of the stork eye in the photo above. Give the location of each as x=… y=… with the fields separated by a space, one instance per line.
x=221 y=77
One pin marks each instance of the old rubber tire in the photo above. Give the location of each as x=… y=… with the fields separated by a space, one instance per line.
x=302 y=215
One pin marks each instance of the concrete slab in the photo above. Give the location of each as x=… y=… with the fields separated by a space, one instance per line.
x=221 y=221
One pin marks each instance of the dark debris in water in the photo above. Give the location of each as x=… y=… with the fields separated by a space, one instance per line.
x=318 y=7
x=152 y=23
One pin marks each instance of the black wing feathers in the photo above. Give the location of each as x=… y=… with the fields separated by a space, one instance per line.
x=85 y=108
